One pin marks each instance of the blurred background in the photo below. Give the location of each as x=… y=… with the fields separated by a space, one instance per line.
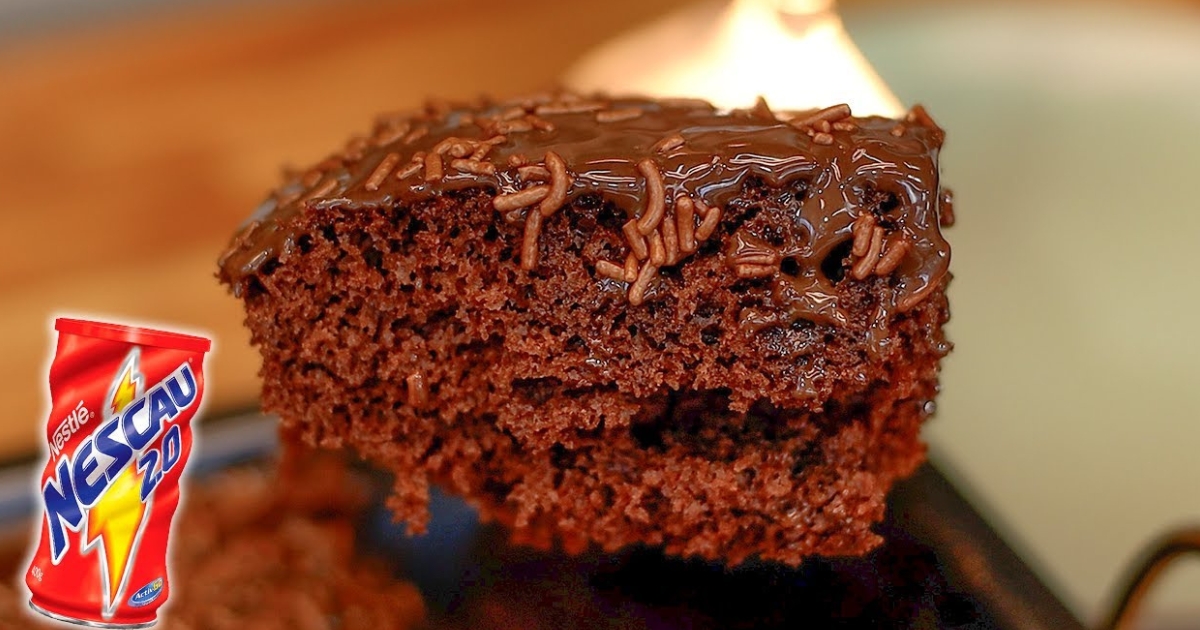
x=136 y=134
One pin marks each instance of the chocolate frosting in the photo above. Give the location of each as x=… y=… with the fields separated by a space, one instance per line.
x=867 y=182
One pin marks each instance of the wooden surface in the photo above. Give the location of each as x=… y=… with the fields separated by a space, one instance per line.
x=133 y=148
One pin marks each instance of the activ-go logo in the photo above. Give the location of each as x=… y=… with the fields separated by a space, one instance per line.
x=106 y=518
x=147 y=593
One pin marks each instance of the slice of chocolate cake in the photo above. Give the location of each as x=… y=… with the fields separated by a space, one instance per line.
x=615 y=321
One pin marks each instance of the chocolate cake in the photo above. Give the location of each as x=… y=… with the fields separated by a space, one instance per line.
x=615 y=321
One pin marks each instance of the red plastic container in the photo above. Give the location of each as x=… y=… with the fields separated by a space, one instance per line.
x=118 y=437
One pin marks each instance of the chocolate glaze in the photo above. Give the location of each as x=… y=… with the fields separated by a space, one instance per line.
x=857 y=166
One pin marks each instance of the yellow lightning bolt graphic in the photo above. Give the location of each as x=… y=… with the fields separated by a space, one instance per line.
x=115 y=518
x=126 y=390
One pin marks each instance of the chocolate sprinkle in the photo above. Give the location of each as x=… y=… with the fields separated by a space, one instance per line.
x=893 y=254
x=610 y=270
x=414 y=167
x=829 y=115
x=636 y=241
x=610 y=149
x=656 y=203
x=754 y=271
x=685 y=216
x=668 y=144
x=768 y=259
x=568 y=108
x=637 y=291
x=619 y=115
x=529 y=245
x=559 y=181
x=541 y=124
x=444 y=147
x=473 y=166
x=671 y=240
x=382 y=171
x=527 y=197
x=320 y=191
x=712 y=217
x=433 y=167
x=658 y=249
x=866 y=264
x=534 y=173
x=631 y=267
x=486 y=146
x=862 y=234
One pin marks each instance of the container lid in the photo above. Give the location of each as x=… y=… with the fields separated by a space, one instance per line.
x=132 y=334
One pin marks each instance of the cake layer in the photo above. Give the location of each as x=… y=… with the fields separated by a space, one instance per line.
x=615 y=321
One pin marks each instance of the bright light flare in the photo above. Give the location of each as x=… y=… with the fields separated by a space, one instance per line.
x=795 y=53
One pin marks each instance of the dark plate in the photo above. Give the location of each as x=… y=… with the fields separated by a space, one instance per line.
x=942 y=566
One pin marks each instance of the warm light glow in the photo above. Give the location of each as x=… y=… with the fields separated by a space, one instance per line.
x=795 y=53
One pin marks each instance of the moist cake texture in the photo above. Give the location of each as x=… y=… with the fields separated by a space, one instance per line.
x=615 y=321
